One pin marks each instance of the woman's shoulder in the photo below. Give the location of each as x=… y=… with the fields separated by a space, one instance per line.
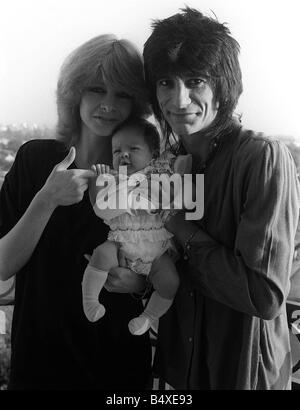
x=42 y=153
x=36 y=158
x=34 y=147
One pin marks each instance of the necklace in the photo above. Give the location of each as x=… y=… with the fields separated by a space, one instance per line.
x=201 y=166
x=231 y=129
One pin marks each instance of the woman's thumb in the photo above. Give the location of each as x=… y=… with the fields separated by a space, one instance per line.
x=87 y=257
x=67 y=161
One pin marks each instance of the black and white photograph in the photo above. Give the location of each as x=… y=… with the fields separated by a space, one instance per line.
x=149 y=198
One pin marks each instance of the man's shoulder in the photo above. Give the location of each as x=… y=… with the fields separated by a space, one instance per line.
x=256 y=137
x=252 y=143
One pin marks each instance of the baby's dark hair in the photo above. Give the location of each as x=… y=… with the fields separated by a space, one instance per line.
x=149 y=132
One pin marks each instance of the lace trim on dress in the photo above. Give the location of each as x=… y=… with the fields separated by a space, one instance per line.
x=151 y=235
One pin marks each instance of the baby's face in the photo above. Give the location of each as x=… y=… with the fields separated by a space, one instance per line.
x=129 y=148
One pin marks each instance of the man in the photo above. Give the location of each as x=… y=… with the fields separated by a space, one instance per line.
x=228 y=327
x=293 y=313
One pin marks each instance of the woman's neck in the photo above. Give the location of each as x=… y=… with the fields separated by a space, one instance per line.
x=93 y=149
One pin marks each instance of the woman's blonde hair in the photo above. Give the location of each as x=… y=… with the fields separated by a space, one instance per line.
x=119 y=61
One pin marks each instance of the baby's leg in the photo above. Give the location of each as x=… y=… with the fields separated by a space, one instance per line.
x=103 y=259
x=165 y=280
x=164 y=277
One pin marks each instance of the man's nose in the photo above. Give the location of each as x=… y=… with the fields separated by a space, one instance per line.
x=181 y=95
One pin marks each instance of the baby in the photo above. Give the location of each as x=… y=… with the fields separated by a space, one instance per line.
x=138 y=233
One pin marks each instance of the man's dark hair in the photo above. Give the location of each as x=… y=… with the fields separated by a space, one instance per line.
x=193 y=44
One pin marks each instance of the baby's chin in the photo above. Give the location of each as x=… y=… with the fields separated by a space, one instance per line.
x=130 y=169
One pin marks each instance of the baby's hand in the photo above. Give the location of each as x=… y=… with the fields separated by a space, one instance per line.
x=100 y=169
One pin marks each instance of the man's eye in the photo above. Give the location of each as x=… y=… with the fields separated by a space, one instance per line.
x=164 y=82
x=194 y=82
x=135 y=148
x=116 y=151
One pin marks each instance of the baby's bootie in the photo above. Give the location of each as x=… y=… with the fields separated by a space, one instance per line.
x=139 y=325
x=93 y=310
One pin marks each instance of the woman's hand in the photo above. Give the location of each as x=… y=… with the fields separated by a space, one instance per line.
x=65 y=186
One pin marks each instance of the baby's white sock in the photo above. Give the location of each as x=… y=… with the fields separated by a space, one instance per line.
x=156 y=307
x=92 y=283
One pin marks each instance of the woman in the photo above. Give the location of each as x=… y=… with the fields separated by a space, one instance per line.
x=227 y=328
x=47 y=225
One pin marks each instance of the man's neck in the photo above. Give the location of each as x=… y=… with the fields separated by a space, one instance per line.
x=198 y=145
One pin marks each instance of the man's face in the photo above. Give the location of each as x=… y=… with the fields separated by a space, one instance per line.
x=187 y=103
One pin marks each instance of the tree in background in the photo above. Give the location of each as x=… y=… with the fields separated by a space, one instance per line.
x=12 y=137
x=5 y=347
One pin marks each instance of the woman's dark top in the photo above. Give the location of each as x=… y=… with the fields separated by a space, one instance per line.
x=54 y=346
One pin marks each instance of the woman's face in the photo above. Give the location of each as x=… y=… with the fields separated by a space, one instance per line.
x=187 y=103
x=103 y=108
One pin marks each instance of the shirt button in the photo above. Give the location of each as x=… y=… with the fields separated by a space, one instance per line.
x=190 y=339
x=191 y=294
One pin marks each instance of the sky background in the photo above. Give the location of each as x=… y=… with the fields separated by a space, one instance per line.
x=37 y=35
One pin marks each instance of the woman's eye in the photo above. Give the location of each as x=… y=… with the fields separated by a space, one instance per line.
x=134 y=148
x=96 y=90
x=117 y=151
x=125 y=95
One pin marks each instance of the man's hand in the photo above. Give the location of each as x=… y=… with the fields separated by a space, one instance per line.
x=123 y=280
x=66 y=186
x=183 y=229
